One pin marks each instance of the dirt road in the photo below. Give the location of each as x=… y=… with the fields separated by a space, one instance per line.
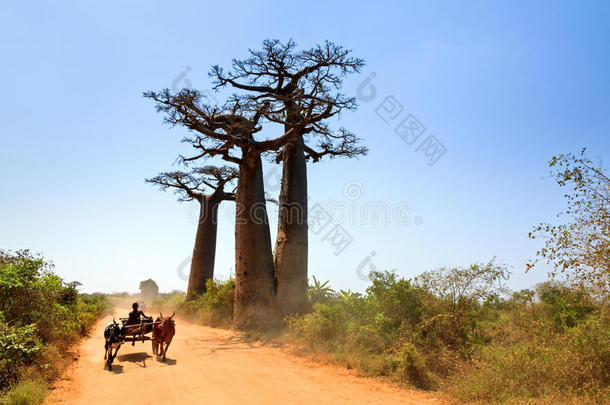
x=215 y=366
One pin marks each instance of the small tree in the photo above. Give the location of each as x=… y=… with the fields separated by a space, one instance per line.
x=459 y=287
x=149 y=290
x=193 y=186
x=579 y=248
x=451 y=296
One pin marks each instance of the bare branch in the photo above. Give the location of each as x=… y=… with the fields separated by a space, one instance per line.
x=298 y=90
x=193 y=185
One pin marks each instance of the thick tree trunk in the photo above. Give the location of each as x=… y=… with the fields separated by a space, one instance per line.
x=204 y=253
x=254 y=279
x=291 y=249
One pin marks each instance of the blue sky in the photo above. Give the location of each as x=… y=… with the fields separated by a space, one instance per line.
x=503 y=86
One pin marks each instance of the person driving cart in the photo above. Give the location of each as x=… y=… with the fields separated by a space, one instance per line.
x=136 y=315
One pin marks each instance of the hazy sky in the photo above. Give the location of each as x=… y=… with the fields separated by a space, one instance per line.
x=503 y=87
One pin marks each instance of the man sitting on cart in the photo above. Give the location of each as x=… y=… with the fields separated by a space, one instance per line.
x=136 y=315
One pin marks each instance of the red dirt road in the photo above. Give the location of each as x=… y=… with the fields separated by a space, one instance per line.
x=215 y=366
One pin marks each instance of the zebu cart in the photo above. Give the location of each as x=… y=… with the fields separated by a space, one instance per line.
x=115 y=335
x=139 y=332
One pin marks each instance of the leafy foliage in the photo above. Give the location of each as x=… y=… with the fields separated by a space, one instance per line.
x=215 y=306
x=579 y=248
x=452 y=328
x=39 y=314
x=554 y=347
x=19 y=347
x=319 y=292
x=454 y=301
x=165 y=303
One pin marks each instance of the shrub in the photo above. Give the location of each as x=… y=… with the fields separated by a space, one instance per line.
x=453 y=329
x=89 y=308
x=19 y=347
x=411 y=367
x=319 y=292
x=372 y=332
x=326 y=325
x=215 y=306
x=539 y=355
x=452 y=300
x=573 y=364
x=565 y=306
x=167 y=303
x=397 y=299
x=40 y=315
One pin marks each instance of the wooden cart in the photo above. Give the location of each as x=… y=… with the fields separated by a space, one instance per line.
x=139 y=332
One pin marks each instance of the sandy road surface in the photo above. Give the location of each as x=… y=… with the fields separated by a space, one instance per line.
x=215 y=366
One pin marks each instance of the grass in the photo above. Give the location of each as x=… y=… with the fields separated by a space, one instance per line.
x=28 y=392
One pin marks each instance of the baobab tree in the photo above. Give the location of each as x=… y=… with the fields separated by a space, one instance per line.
x=228 y=132
x=302 y=90
x=193 y=186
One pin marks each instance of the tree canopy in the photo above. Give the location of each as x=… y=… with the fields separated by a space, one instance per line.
x=579 y=249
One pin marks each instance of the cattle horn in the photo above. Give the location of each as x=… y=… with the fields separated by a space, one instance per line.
x=173 y=314
x=161 y=313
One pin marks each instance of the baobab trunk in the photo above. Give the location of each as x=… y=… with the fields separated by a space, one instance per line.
x=291 y=249
x=204 y=253
x=254 y=279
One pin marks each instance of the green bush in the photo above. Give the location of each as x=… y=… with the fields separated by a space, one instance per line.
x=19 y=347
x=565 y=306
x=167 y=303
x=326 y=325
x=372 y=332
x=458 y=330
x=545 y=364
x=319 y=292
x=215 y=306
x=453 y=301
x=39 y=315
x=411 y=366
x=397 y=299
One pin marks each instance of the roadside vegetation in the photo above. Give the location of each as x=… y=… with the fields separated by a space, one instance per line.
x=459 y=330
x=455 y=330
x=40 y=317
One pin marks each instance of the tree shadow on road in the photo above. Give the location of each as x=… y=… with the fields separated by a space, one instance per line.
x=215 y=344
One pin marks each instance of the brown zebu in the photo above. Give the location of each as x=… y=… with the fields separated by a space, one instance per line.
x=163 y=332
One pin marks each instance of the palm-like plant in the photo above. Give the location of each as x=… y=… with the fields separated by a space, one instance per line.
x=320 y=292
